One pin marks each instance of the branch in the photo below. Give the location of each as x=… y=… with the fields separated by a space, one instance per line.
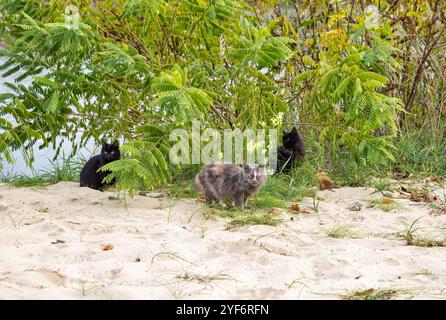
x=426 y=54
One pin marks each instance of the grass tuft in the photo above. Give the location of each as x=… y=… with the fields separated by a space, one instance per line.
x=267 y=202
x=342 y=232
x=240 y=218
x=372 y=294
x=205 y=279
x=412 y=238
x=65 y=170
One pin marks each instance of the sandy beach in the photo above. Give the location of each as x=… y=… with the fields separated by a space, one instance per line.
x=66 y=242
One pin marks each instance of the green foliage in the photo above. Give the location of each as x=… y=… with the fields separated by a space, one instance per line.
x=421 y=154
x=108 y=69
x=345 y=90
x=145 y=167
x=137 y=69
x=179 y=100
x=258 y=47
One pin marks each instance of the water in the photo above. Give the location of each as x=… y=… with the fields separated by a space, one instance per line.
x=44 y=156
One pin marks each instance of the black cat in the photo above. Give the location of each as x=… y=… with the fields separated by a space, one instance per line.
x=90 y=176
x=292 y=148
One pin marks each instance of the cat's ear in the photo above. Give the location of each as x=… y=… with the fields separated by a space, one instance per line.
x=261 y=165
x=104 y=144
x=294 y=130
x=246 y=167
x=116 y=144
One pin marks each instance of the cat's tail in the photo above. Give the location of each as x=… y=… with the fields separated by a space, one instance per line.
x=197 y=183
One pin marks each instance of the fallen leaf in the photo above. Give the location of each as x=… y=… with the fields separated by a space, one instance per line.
x=306 y=210
x=107 y=247
x=387 y=201
x=296 y=208
x=325 y=181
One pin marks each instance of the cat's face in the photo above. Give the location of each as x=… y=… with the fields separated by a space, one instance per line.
x=110 y=152
x=254 y=175
x=290 y=138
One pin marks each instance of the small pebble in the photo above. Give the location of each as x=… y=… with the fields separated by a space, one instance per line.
x=355 y=206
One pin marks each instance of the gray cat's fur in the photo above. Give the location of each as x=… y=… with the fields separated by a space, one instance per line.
x=237 y=183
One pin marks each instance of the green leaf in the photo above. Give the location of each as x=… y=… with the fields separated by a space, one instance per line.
x=51 y=104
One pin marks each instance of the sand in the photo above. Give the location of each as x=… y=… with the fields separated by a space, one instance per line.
x=52 y=243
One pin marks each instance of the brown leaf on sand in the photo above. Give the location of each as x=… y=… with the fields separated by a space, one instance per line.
x=107 y=247
x=306 y=210
x=325 y=181
x=415 y=196
x=296 y=208
x=387 y=201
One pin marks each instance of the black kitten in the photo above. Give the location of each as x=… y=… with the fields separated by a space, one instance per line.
x=292 y=148
x=90 y=176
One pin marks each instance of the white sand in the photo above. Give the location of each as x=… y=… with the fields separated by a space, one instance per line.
x=183 y=255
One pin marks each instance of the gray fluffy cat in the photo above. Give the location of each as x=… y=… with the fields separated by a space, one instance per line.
x=237 y=183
